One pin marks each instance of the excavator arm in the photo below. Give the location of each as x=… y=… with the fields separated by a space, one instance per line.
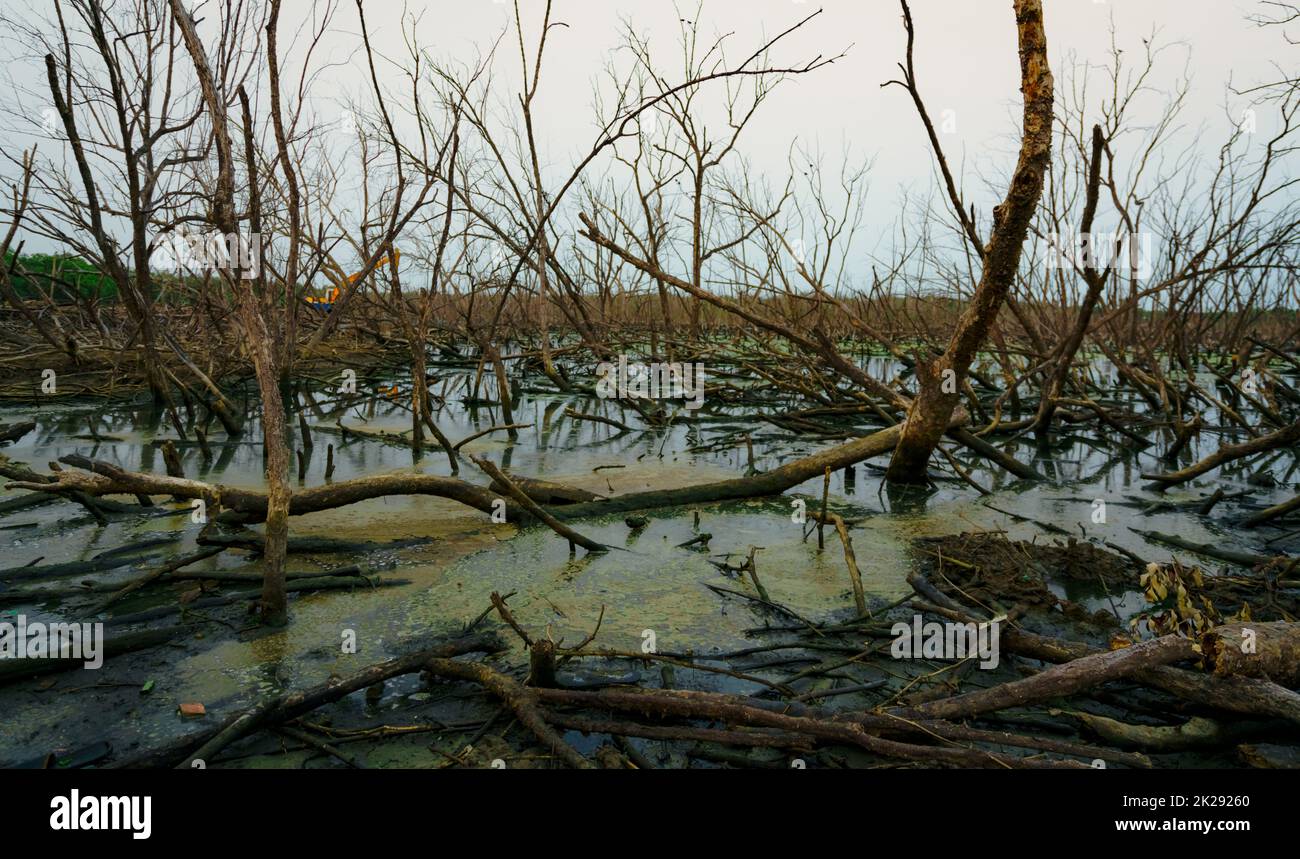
x=335 y=273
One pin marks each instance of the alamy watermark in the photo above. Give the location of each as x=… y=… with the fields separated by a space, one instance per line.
x=209 y=250
x=133 y=814
x=653 y=381
x=23 y=640
x=1128 y=252
x=950 y=640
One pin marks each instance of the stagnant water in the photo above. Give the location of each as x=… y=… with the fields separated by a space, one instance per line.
x=651 y=585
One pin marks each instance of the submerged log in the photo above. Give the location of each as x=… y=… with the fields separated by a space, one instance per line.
x=71 y=568
x=295 y=704
x=13 y=432
x=1285 y=437
x=307 y=545
x=129 y=642
x=545 y=491
x=1249 y=560
x=154 y=575
x=1277 y=511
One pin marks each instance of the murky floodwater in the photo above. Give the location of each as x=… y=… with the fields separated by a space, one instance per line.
x=648 y=583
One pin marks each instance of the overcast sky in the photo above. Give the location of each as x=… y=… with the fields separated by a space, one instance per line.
x=966 y=62
x=965 y=58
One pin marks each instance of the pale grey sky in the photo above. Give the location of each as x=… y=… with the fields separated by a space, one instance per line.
x=965 y=58
x=966 y=63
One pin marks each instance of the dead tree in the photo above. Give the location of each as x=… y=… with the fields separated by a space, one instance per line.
x=257 y=321
x=941 y=379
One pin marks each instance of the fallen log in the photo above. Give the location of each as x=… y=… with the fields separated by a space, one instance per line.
x=307 y=545
x=238 y=576
x=1059 y=681
x=70 y=568
x=1284 y=437
x=1245 y=695
x=1249 y=560
x=545 y=491
x=345 y=578
x=1197 y=732
x=766 y=483
x=292 y=705
x=26 y=502
x=107 y=479
x=373 y=435
x=1233 y=694
x=522 y=701
x=17 y=669
x=531 y=506
x=991 y=452
x=154 y=575
x=849 y=729
x=1269 y=756
x=1270 y=650
x=1277 y=511
x=13 y=432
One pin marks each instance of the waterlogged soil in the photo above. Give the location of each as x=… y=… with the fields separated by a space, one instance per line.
x=647 y=589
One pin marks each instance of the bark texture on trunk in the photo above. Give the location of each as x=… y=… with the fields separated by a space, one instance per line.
x=250 y=294
x=942 y=379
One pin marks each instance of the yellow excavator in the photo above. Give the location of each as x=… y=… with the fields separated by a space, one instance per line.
x=326 y=302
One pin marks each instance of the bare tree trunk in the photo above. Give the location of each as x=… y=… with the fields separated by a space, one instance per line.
x=942 y=379
x=253 y=324
x=263 y=346
x=503 y=387
x=1096 y=282
x=136 y=304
